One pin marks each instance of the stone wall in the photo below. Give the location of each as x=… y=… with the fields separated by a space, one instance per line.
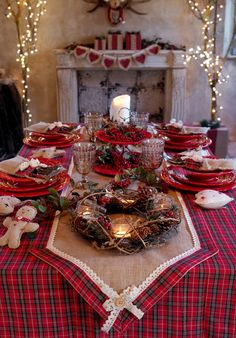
x=66 y=22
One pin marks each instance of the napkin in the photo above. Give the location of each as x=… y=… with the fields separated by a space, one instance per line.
x=19 y=166
x=221 y=163
x=178 y=125
x=195 y=130
x=49 y=152
x=195 y=155
x=212 y=199
x=11 y=166
x=43 y=127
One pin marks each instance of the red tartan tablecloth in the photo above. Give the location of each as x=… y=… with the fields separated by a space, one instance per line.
x=44 y=295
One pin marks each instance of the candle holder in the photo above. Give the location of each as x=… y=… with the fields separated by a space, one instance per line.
x=126 y=220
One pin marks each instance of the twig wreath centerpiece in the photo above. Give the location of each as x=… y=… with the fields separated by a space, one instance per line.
x=127 y=220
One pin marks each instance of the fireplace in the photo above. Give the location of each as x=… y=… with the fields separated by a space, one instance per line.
x=167 y=65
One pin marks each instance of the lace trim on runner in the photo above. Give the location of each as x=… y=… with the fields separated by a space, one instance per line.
x=117 y=302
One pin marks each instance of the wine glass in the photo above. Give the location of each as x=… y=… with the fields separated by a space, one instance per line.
x=152 y=153
x=93 y=122
x=139 y=119
x=84 y=158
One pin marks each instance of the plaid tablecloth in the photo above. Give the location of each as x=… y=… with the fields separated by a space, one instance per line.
x=43 y=295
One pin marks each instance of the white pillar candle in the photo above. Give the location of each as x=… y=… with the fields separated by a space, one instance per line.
x=120 y=109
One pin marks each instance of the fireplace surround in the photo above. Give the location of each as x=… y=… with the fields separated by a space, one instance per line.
x=171 y=61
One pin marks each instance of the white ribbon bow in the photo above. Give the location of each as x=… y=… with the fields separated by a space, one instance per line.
x=120 y=302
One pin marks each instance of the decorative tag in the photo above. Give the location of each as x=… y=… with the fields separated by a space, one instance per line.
x=140 y=58
x=80 y=51
x=153 y=49
x=108 y=61
x=94 y=57
x=124 y=62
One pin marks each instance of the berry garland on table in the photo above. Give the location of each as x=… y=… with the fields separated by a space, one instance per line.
x=116 y=157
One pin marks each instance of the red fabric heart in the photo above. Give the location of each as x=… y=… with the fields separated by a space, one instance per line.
x=125 y=63
x=153 y=50
x=108 y=62
x=93 y=57
x=140 y=58
x=80 y=51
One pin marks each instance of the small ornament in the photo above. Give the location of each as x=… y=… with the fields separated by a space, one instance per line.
x=116 y=8
x=153 y=49
x=140 y=58
x=7 y=204
x=125 y=62
x=94 y=57
x=81 y=51
x=17 y=225
x=108 y=61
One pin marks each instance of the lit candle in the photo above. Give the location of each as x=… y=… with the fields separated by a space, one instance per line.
x=121 y=230
x=120 y=109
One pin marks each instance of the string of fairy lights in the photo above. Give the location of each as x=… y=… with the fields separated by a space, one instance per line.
x=26 y=15
x=210 y=61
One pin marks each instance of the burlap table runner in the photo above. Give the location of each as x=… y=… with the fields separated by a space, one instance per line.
x=118 y=270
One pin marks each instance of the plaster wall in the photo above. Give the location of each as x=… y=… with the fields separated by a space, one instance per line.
x=66 y=22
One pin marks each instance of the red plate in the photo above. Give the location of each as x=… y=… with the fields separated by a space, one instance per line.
x=179 y=174
x=31 y=142
x=49 y=137
x=100 y=134
x=205 y=175
x=21 y=180
x=170 y=180
x=105 y=169
x=30 y=187
x=62 y=181
x=203 y=142
x=180 y=137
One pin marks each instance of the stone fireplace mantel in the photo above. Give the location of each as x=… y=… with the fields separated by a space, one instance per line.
x=67 y=66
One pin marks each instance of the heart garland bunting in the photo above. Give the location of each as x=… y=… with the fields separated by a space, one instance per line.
x=81 y=51
x=94 y=56
x=108 y=61
x=124 y=62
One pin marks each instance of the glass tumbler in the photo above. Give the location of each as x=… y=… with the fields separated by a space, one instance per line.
x=93 y=122
x=139 y=119
x=152 y=153
x=84 y=158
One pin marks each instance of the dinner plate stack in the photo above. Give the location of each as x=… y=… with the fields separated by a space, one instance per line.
x=61 y=136
x=182 y=140
x=38 y=175
x=197 y=179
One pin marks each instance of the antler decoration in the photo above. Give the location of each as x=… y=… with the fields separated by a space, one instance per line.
x=116 y=8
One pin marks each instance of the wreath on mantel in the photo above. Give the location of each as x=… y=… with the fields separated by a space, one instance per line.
x=127 y=220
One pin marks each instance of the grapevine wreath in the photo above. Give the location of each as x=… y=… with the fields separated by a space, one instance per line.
x=156 y=218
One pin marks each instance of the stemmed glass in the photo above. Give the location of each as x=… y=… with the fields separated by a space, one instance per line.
x=84 y=158
x=139 y=119
x=152 y=153
x=93 y=122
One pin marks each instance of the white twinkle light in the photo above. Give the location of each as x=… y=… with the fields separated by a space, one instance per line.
x=26 y=15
